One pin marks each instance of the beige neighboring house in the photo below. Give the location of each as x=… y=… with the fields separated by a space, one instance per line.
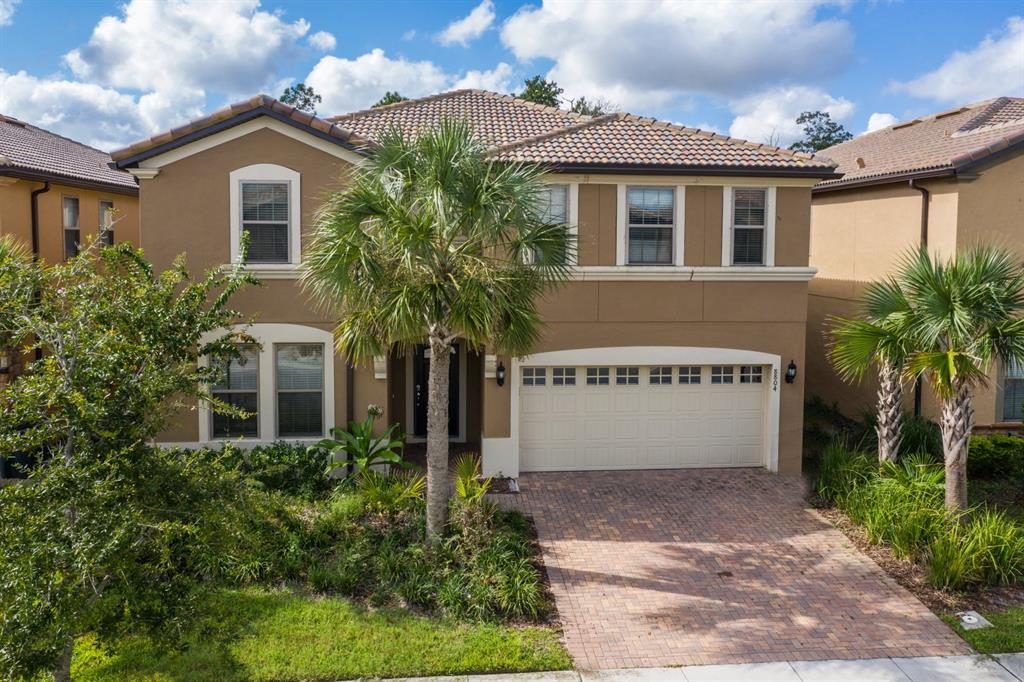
x=949 y=180
x=669 y=348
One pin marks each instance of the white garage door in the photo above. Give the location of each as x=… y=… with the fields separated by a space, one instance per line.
x=641 y=417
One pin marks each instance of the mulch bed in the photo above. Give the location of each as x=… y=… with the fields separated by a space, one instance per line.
x=914 y=577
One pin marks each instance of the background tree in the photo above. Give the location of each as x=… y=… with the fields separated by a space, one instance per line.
x=430 y=243
x=87 y=545
x=820 y=132
x=390 y=97
x=541 y=91
x=595 y=107
x=302 y=97
x=877 y=339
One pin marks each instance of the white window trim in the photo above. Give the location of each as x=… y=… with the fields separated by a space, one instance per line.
x=267 y=172
x=769 y=227
x=622 y=229
x=268 y=336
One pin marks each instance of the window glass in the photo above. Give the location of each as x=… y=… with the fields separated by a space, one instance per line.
x=627 y=376
x=597 y=376
x=107 y=222
x=689 y=375
x=238 y=387
x=563 y=376
x=554 y=204
x=661 y=376
x=650 y=221
x=750 y=375
x=1013 y=393
x=748 y=220
x=721 y=374
x=265 y=218
x=534 y=376
x=72 y=233
x=300 y=384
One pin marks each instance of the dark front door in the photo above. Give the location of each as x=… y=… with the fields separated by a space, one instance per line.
x=420 y=374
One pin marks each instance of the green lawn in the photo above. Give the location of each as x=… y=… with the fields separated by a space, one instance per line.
x=260 y=634
x=1006 y=635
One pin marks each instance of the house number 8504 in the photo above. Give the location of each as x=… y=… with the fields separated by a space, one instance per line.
x=775 y=380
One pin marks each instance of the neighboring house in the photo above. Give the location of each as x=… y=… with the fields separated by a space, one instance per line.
x=668 y=349
x=949 y=180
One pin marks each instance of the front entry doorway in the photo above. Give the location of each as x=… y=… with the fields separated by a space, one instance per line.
x=420 y=375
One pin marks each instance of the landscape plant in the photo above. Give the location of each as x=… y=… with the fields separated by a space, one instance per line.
x=358 y=447
x=433 y=240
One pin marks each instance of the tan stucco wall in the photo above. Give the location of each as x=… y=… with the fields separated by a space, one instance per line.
x=16 y=215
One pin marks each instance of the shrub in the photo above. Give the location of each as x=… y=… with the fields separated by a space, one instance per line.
x=995 y=456
x=983 y=547
x=843 y=469
x=390 y=493
x=361 y=449
x=921 y=437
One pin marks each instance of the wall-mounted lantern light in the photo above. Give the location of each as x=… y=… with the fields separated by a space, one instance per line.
x=791 y=372
x=499 y=375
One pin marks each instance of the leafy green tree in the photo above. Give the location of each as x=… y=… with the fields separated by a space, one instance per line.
x=595 y=107
x=878 y=339
x=390 y=97
x=820 y=132
x=541 y=91
x=432 y=241
x=119 y=347
x=301 y=96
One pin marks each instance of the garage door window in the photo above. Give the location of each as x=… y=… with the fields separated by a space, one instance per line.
x=534 y=376
x=661 y=376
x=689 y=375
x=721 y=375
x=598 y=376
x=750 y=375
x=627 y=376
x=563 y=376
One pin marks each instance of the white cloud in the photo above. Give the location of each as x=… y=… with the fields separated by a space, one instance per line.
x=409 y=35
x=879 y=120
x=7 y=11
x=470 y=27
x=498 y=79
x=648 y=54
x=322 y=40
x=994 y=68
x=770 y=116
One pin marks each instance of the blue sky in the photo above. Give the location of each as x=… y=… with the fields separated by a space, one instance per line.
x=108 y=73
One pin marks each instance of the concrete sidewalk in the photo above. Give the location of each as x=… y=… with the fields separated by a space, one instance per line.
x=1001 y=668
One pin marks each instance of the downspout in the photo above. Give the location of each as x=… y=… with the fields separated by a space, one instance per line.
x=350 y=408
x=925 y=200
x=35 y=217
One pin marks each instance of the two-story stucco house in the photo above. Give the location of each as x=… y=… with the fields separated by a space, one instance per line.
x=669 y=348
x=947 y=181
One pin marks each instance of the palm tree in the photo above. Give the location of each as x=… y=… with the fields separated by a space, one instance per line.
x=965 y=314
x=876 y=339
x=431 y=241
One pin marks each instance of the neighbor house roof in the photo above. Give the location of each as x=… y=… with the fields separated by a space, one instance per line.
x=30 y=152
x=517 y=130
x=945 y=143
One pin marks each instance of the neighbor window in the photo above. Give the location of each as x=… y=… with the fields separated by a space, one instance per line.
x=660 y=376
x=721 y=375
x=597 y=376
x=238 y=387
x=650 y=221
x=72 y=231
x=627 y=376
x=534 y=376
x=265 y=218
x=107 y=222
x=553 y=209
x=1013 y=393
x=300 y=389
x=750 y=375
x=749 y=225
x=563 y=376
x=689 y=375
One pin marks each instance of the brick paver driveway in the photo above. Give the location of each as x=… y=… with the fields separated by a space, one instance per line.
x=657 y=568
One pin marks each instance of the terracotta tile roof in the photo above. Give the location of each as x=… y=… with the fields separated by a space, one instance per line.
x=933 y=144
x=496 y=119
x=26 y=150
x=260 y=104
x=628 y=140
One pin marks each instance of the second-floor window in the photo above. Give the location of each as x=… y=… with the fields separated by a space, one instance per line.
x=265 y=218
x=107 y=222
x=749 y=225
x=553 y=208
x=72 y=230
x=650 y=224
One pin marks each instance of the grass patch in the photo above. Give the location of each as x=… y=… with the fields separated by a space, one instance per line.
x=263 y=634
x=1006 y=635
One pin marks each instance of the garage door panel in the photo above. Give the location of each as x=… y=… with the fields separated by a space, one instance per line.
x=564 y=402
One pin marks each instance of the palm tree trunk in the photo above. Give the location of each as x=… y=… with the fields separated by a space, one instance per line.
x=437 y=437
x=62 y=669
x=956 y=424
x=889 y=424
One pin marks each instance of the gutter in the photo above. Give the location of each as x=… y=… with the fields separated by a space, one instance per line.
x=40 y=176
x=925 y=201
x=653 y=169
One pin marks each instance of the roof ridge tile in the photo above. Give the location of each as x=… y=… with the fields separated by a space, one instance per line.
x=399 y=105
